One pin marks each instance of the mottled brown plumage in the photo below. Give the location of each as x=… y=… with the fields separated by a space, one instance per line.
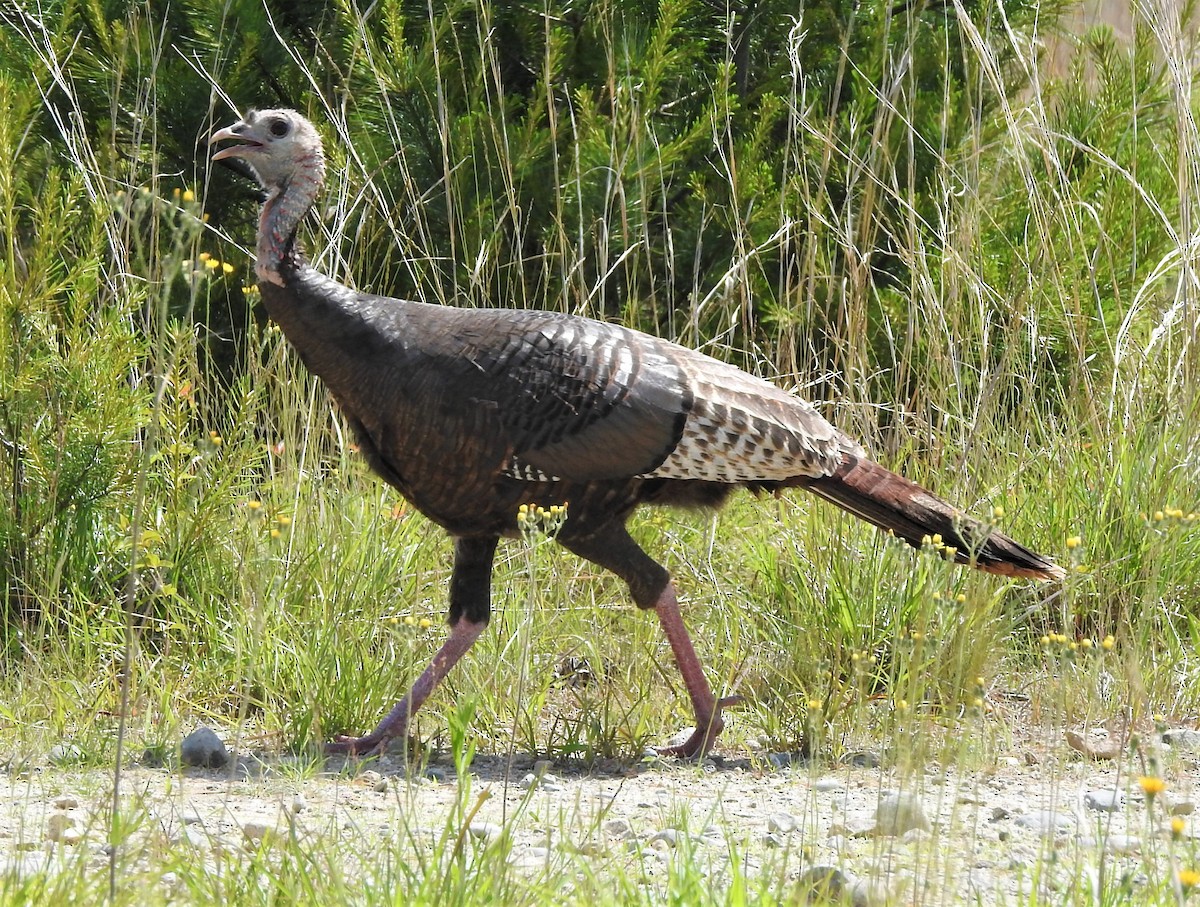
x=470 y=413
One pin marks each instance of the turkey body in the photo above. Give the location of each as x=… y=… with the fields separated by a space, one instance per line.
x=471 y=413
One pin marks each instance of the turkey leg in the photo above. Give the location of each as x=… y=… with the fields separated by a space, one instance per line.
x=470 y=609
x=707 y=707
x=462 y=636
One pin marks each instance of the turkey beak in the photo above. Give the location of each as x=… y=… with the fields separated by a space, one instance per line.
x=231 y=132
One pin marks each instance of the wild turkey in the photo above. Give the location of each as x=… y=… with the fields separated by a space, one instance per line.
x=470 y=413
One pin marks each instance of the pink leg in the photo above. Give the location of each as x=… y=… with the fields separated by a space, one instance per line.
x=462 y=636
x=706 y=706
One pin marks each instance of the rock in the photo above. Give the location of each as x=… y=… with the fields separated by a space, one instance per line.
x=899 y=812
x=774 y=840
x=1183 y=738
x=542 y=767
x=1098 y=746
x=375 y=781
x=783 y=823
x=260 y=832
x=780 y=760
x=668 y=836
x=485 y=831
x=66 y=801
x=1121 y=844
x=58 y=825
x=298 y=804
x=618 y=828
x=861 y=759
x=1182 y=807
x=528 y=781
x=1106 y=801
x=437 y=775
x=203 y=749
x=194 y=837
x=822 y=884
x=828 y=785
x=65 y=754
x=1046 y=821
x=998 y=813
x=681 y=738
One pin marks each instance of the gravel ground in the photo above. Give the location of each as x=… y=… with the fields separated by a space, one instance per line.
x=1041 y=816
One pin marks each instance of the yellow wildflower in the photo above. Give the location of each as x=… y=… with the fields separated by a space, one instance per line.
x=1189 y=878
x=1108 y=643
x=226 y=267
x=212 y=263
x=1151 y=785
x=189 y=196
x=1074 y=541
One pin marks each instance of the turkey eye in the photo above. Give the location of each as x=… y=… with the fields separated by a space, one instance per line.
x=278 y=128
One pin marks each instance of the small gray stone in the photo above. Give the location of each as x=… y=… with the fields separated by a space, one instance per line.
x=780 y=760
x=822 y=884
x=257 y=832
x=681 y=738
x=999 y=812
x=1106 y=801
x=66 y=801
x=899 y=812
x=828 y=785
x=1182 y=807
x=1046 y=821
x=774 y=840
x=861 y=759
x=204 y=749
x=528 y=781
x=618 y=828
x=669 y=836
x=58 y=825
x=485 y=831
x=65 y=754
x=1183 y=738
x=542 y=767
x=783 y=823
x=436 y=774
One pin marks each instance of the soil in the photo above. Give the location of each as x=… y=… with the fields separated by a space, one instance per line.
x=1038 y=816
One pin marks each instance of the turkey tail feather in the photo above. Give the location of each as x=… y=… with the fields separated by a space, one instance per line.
x=892 y=502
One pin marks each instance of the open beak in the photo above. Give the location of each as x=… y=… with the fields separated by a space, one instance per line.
x=232 y=132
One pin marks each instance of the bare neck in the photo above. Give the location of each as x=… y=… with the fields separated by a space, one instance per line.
x=282 y=212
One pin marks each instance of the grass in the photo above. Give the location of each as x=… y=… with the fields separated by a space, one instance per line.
x=189 y=535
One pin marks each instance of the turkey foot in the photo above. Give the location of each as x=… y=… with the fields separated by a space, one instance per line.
x=703 y=736
x=395 y=724
x=706 y=706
